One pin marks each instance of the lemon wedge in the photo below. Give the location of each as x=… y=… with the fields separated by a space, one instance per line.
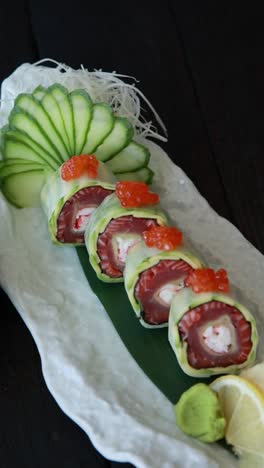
x=255 y=375
x=250 y=460
x=243 y=407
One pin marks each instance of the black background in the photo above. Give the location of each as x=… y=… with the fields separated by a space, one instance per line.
x=201 y=64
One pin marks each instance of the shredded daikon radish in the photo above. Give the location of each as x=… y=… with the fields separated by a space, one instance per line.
x=124 y=98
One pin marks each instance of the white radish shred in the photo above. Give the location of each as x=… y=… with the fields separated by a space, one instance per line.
x=108 y=87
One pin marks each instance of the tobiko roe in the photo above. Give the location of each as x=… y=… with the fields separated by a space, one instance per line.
x=163 y=237
x=133 y=194
x=80 y=165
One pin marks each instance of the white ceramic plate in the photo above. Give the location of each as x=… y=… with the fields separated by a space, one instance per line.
x=85 y=365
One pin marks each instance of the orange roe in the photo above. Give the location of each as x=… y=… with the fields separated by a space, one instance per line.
x=133 y=194
x=81 y=165
x=163 y=237
x=208 y=280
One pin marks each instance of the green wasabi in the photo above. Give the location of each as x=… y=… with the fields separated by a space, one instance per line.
x=198 y=414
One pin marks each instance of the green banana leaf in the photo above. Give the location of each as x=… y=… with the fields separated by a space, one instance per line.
x=150 y=348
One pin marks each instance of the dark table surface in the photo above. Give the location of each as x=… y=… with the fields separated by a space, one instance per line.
x=202 y=66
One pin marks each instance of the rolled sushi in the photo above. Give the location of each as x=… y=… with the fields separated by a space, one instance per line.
x=112 y=230
x=211 y=333
x=71 y=194
x=152 y=277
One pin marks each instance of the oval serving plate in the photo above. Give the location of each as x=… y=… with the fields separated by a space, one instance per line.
x=87 y=368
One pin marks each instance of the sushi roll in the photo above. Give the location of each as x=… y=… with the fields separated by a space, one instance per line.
x=152 y=277
x=117 y=225
x=71 y=194
x=209 y=331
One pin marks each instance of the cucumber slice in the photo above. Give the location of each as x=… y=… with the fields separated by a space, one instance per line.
x=23 y=122
x=39 y=92
x=15 y=168
x=60 y=94
x=120 y=136
x=82 y=107
x=52 y=108
x=23 y=189
x=15 y=146
x=31 y=106
x=142 y=175
x=101 y=125
x=14 y=161
x=132 y=158
x=2 y=132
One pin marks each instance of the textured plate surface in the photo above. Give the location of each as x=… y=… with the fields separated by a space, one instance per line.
x=85 y=364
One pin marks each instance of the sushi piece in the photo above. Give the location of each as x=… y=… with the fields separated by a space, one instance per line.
x=209 y=331
x=117 y=225
x=152 y=277
x=71 y=194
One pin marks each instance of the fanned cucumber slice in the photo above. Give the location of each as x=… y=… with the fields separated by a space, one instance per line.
x=120 y=136
x=39 y=92
x=31 y=106
x=132 y=158
x=142 y=175
x=17 y=145
x=23 y=189
x=101 y=125
x=82 y=107
x=14 y=161
x=23 y=122
x=60 y=93
x=2 y=132
x=52 y=108
x=8 y=169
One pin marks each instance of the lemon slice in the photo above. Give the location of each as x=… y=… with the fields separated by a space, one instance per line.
x=255 y=375
x=249 y=460
x=243 y=407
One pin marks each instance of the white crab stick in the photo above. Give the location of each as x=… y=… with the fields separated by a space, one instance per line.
x=167 y=291
x=124 y=243
x=82 y=218
x=217 y=338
